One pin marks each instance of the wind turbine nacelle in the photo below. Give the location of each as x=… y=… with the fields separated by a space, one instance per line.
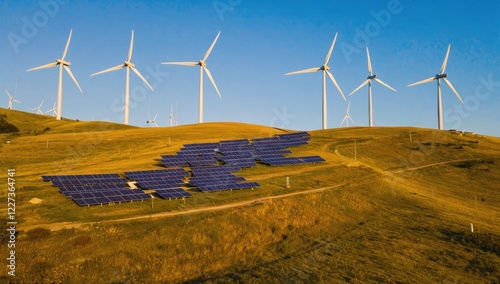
x=372 y=76
x=325 y=67
x=202 y=63
x=440 y=76
x=129 y=64
x=63 y=62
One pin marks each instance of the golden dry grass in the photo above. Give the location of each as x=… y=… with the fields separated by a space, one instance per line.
x=401 y=214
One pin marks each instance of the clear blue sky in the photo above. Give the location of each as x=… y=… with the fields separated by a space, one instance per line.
x=259 y=42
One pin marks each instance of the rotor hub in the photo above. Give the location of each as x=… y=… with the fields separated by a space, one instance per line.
x=325 y=67
x=129 y=64
x=63 y=62
x=202 y=63
x=440 y=76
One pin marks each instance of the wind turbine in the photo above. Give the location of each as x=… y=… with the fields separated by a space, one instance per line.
x=369 y=82
x=325 y=67
x=153 y=122
x=62 y=64
x=129 y=65
x=347 y=116
x=38 y=111
x=11 y=99
x=53 y=110
x=171 y=117
x=438 y=77
x=203 y=67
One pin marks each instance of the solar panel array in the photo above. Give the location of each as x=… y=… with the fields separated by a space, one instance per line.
x=217 y=178
x=272 y=150
x=158 y=179
x=211 y=169
x=166 y=182
x=242 y=152
x=173 y=193
x=96 y=189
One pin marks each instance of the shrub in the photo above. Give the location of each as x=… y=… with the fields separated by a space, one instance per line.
x=6 y=127
x=38 y=234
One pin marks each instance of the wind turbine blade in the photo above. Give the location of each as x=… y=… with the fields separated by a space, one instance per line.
x=154 y=119
x=348 y=107
x=142 y=78
x=352 y=121
x=310 y=70
x=384 y=84
x=360 y=86
x=8 y=94
x=16 y=101
x=453 y=89
x=67 y=45
x=131 y=47
x=72 y=77
x=443 y=67
x=53 y=64
x=423 y=81
x=335 y=83
x=211 y=47
x=327 y=58
x=118 y=67
x=212 y=80
x=345 y=117
x=181 y=63
x=369 y=61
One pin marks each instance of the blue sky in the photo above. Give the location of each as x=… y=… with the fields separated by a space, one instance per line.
x=259 y=42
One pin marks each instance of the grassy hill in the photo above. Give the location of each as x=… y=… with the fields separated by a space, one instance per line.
x=382 y=208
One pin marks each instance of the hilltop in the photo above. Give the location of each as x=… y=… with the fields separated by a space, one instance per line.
x=384 y=207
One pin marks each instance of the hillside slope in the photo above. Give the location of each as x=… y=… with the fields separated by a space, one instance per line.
x=382 y=208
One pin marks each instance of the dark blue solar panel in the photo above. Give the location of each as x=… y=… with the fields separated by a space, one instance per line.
x=81 y=202
x=173 y=193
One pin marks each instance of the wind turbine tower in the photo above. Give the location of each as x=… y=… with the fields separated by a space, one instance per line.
x=129 y=65
x=203 y=68
x=62 y=64
x=38 y=110
x=11 y=100
x=347 y=116
x=325 y=67
x=368 y=81
x=439 y=77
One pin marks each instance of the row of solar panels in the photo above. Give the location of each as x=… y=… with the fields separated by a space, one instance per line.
x=169 y=173
x=111 y=199
x=227 y=186
x=173 y=193
x=209 y=179
x=70 y=177
x=277 y=161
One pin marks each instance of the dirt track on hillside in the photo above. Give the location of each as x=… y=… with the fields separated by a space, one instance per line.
x=252 y=202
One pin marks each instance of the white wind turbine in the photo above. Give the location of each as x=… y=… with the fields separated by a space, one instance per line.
x=62 y=64
x=129 y=65
x=203 y=67
x=171 y=117
x=38 y=110
x=11 y=100
x=325 y=69
x=438 y=77
x=369 y=82
x=153 y=122
x=347 y=116
x=53 y=110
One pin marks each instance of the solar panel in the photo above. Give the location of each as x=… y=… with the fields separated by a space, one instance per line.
x=172 y=193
